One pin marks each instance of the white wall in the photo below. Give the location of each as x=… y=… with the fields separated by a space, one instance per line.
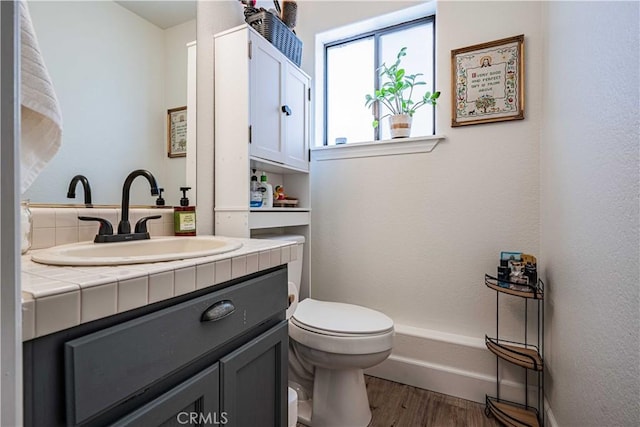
x=213 y=17
x=589 y=207
x=413 y=235
x=175 y=95
x=108 y=67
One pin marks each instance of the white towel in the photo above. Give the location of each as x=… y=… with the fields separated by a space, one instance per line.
x=41 y=130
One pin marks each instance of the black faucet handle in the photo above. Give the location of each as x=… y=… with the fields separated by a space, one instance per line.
x=141 y=225
x=105 y=226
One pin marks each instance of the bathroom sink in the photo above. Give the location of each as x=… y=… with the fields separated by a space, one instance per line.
x=136 y=252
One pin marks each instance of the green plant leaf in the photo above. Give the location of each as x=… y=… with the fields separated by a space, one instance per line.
x=393 y=94
x=375 y=124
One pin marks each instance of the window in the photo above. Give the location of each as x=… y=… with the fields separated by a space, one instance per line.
x=351 y=72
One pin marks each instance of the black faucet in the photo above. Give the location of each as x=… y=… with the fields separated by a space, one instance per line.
x=105 y=233
x=71 y=193
x=123 y=226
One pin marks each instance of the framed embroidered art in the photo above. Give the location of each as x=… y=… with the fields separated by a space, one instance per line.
x=177 y=132
x=488 y=82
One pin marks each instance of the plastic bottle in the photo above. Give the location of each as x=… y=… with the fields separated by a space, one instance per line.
x=255 y=200
x=267 y=192
x=184 y=216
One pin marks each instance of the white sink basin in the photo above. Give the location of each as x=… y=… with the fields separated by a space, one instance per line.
x=136 y=252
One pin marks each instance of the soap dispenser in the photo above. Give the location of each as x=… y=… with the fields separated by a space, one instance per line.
x=184 y=216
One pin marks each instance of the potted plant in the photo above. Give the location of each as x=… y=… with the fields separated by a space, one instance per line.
x=396 y=94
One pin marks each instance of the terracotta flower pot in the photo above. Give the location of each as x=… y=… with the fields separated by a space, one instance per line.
x=400 y=125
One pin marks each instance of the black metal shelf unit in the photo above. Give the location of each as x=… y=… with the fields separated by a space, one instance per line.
x=524 y=354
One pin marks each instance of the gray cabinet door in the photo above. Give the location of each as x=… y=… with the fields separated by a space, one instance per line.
x=194 y=402
x=254 y=381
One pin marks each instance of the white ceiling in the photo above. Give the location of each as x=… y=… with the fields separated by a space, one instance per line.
x=164 y=14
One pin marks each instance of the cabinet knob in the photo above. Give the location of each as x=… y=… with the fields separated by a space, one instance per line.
x=286 y=110
x=218 y=311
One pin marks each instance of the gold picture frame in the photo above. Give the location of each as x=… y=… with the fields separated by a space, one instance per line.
x=487 y=82
x=177 y=132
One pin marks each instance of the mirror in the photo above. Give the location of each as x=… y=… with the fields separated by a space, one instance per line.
x=116 y=74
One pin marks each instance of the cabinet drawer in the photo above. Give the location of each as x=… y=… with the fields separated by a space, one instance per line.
x=104 y=368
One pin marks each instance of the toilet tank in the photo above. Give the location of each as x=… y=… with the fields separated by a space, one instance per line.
x=294 y=267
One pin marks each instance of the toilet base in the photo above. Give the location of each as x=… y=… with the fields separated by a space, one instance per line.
x=340 y=398
x=304 y=411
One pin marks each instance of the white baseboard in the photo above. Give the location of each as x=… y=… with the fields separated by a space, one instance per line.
x=452 y=364
x=549 y=419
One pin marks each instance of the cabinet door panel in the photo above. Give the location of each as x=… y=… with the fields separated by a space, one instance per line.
x=266 y=101
x=254 y=381
x=296 y=126
x=196 y=399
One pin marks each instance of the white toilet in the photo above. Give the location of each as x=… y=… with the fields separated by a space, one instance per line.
x=330 y=346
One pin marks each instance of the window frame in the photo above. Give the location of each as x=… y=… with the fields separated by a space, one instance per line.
x=376 y=34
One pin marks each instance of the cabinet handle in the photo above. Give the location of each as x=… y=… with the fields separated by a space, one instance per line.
x=286 y=110
x=218 y=311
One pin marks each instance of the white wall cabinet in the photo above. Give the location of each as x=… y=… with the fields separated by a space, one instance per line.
x=261 y=121
x=279 y=106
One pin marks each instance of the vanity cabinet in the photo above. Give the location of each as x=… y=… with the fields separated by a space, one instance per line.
x=216 y=356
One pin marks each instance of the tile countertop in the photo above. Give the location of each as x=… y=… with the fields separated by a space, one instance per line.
x=60 y=297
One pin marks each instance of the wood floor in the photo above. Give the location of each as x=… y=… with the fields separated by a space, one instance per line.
x=399 y=405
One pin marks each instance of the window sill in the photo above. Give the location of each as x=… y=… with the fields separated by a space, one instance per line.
x=389 y=147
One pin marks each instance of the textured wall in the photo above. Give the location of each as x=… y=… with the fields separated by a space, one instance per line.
x=413 y=235
x=175 y=95
x=589 y=212
x=213 y=17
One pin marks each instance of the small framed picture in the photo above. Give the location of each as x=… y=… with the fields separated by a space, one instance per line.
x=177 y=132
x=488 y=82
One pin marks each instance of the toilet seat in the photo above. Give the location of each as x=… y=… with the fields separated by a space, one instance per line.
x=339 y=319
x=341 y=328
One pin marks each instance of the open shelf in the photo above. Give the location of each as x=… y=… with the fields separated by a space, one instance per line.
x=280 y=209
x=526 y=356
x=274 y=167
x=516 y=289
x=511 y=414
x=274 y=217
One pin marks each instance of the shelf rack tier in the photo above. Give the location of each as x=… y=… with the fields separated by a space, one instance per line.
x=512 y=414
x=526 y=356
x=534 y=292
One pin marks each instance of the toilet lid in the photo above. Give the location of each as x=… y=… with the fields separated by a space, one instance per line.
x=341 y=318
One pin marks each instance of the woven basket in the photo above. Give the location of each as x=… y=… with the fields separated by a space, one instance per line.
x=274 y=30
